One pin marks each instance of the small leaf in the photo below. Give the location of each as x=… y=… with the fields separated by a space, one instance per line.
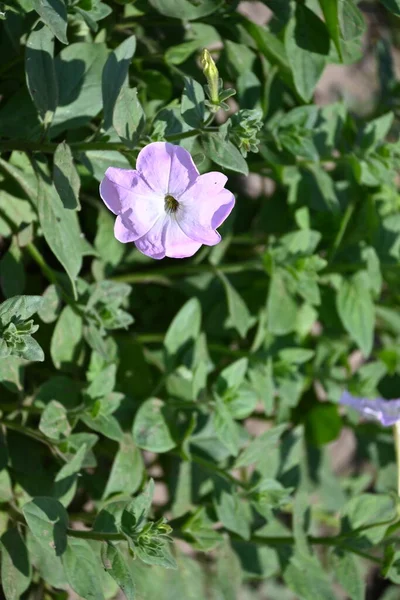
x=40 y=71
x=20 y=307
x=239 y=315
x=127 y=469
x=66 y=479
x=192 y=107
x=224 y=153
x=307 y=44
x=66 y=178
x=393 y=6
x=234 y=513
x=151 y=427
x=66 y=337
x=225 y=427
x=281 y=306
x=15 y=565
x=184 y=328
x=128 y=116
x=83 y=569
x=356 y=311
x=54 y=422
x=115 y=565
x=114 y=76
x=60 y=228
x=54 y=14
x=48 y=521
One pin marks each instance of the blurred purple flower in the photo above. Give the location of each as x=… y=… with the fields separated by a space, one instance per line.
x=387 y=412
x=165 y=206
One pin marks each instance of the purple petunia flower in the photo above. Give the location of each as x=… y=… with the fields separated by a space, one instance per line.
x=387 y=412
x=165 y=206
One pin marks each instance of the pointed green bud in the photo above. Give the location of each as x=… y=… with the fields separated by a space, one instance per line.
x=211 y=73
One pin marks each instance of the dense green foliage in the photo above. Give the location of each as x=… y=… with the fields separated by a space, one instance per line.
x=165 y=426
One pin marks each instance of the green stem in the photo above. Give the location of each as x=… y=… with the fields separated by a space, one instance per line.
x=348 y=213
x=95 y=535
x=50 y=148
x=396 y=433
x=176 y=271
x=52 y=277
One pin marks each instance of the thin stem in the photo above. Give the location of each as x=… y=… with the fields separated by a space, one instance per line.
x=396 y=433
x=50 y=148
x=176 y=271
x=348 y=213
x=95 y=535
x=52 y=277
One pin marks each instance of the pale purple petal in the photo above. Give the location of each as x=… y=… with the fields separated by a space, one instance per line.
x=387 y=412
x=123 y=234
x=152 y=243
x=204 y=206
x=126 y=194
x=168 y=169
x=177 y=243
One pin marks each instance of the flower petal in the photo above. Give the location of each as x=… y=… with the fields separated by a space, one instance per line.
x=152 y=243
x=387 y=412
x=204 y=206
x=166 y=168
x=123 y=234
x=125 y=193
x=177 y=243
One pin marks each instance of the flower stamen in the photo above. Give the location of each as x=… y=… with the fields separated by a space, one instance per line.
x=171 y=204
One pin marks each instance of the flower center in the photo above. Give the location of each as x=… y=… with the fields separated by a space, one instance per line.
x=170 y=204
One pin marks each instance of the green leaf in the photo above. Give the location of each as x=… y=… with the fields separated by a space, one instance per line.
x=184 y=9
x=393 y=6
x=184 y=328
x=54 y=421
x=322 y=424
x=61 y=230
x=46 y=562
x=151 y=427
x=128 y=116
x=239 y=315
x=115 y=75
x=66 y=337
x=54 y=14
x=79 y=86
x=176 y=55
x=105 y=424
x=347 y=573
x=65 y=177
x=346 y=26
x=365 y=510
x=199 y=527
x=259 y=447
x=12 y=273
x=48 y=521
x=281 y=306
x=20 y=308
x=307 y=44
x=65 y=482
x=224 y=153
x=136 y=512
x=83 y=569
x=6 y=491
x=127 y=469
x=234 y=513
x=307 y=579
x=356 y=311
x=115 y=564
x=15 y=565
x=40 y=71
x=192 y=106
x=225 y=427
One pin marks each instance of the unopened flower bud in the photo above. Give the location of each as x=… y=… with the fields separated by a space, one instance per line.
x=211 y=73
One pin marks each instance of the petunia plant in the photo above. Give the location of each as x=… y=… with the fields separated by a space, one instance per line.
x=199 y=299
